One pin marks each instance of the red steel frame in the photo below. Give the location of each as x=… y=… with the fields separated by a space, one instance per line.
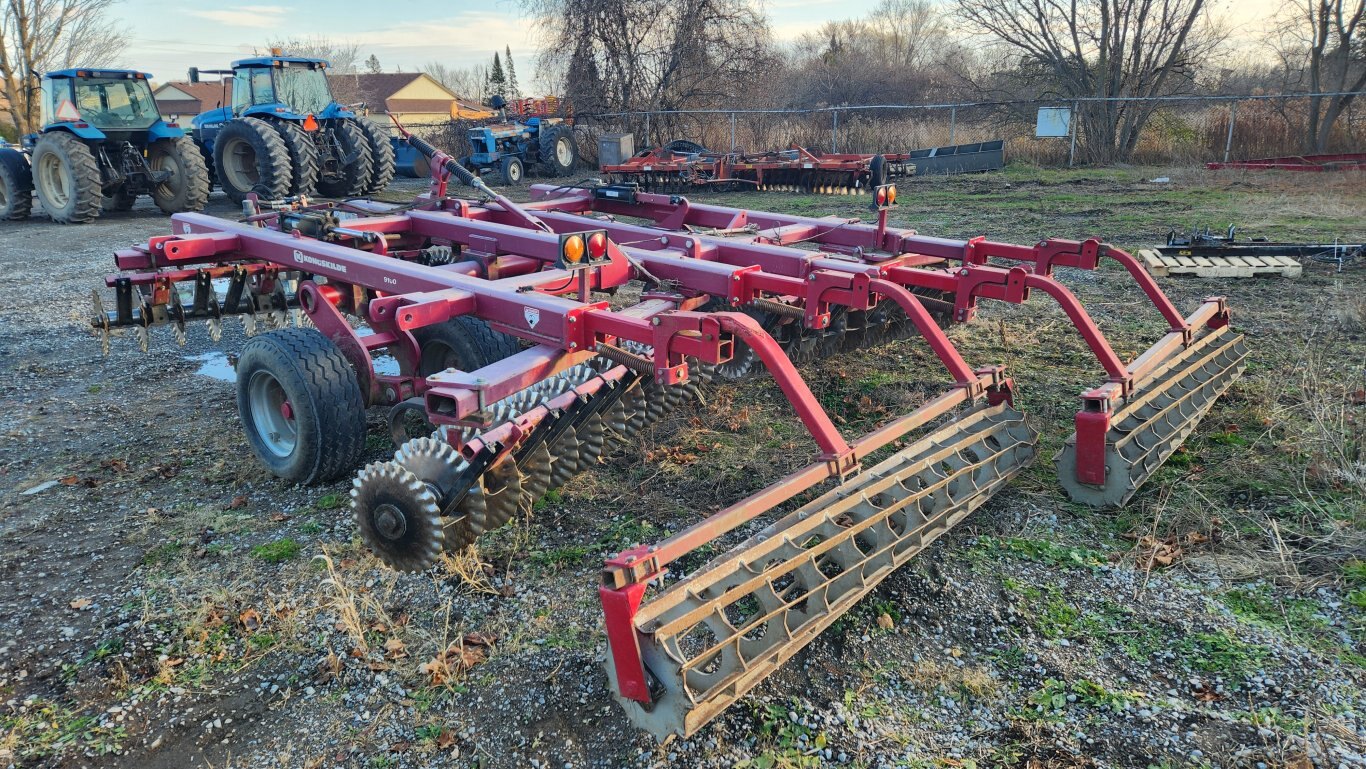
x=722 y=166
x=1355 y=161
x=507 y=277
x=891 y=258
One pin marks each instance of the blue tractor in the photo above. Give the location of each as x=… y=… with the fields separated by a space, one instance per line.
x=103 y=143
x=283 y=134
x=507 y=148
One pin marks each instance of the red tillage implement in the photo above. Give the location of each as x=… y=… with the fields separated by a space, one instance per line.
x=676 y=168
x=497 y=316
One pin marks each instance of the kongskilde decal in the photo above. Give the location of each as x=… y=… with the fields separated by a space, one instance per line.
x=532 y=315
x=303 y=258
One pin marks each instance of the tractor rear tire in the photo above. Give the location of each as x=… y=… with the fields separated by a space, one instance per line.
x=558 y=153
x=300 y=405
x=463 y=343
x=303 y=157
x=381 y=155
x=249 y=156
x=16 y=185
x=188 y=187
x=67 y=178
x=341 y=179
x=120 y=200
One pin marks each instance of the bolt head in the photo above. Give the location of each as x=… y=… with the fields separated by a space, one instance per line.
x=573 y=319
x=573 y=345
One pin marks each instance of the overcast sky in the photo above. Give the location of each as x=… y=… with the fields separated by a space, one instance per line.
x=168 y=39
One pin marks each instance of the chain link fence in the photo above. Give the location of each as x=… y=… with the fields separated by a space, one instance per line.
x=1179 y=131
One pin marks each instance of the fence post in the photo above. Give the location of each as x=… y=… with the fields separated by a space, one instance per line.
x=732 y=131
x=646 y=143
x=834 y=131
x=1228 y=142
x=953 y=122
x=1072 y=151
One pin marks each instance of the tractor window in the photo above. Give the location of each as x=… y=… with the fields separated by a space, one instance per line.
x=303 y=88
x=261 y=90
x=116 y=103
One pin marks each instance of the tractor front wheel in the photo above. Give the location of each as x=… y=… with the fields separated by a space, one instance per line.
x=250 y=156
x=300 y=405
x=512 y=170
x=67 y=178
x=348 y=166
x=558 y=153
x=16 y=185
x=187 y=188
x=381 y=155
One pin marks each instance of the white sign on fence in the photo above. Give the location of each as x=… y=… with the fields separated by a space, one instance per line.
x=1053 y=123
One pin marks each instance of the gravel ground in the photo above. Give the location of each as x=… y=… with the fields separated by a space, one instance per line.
x=167 y=604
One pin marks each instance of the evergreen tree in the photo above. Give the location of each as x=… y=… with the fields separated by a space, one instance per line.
x=513 y=91
x=372 y=65
x=498 y=84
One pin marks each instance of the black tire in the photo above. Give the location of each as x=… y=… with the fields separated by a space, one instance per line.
x=249 y=156
x=303 y=370
x=188 y=187
x=16 y=185
x=511 y=171
x=877 y=171
x=207 y=156
x=120 y=200
x=558 y=153
x=303 y=157
x=67 y=178
x=685 y=146
x=463 y=343
x=346 y=168
x=381 y=155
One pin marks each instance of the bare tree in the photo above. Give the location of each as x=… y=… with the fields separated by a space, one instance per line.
x=612 y=55
x=343 y=55
x=1322 y=47
x=41 y=35
x=466 y=82
x=1110 y=49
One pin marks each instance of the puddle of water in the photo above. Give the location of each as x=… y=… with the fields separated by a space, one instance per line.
x=216 y=365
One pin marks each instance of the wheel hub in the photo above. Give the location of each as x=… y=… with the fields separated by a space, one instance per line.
x=390 y=522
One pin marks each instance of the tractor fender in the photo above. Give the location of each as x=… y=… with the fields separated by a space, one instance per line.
x=161 y=130
x=335 y=110
x=83 y=131
x=10 y=154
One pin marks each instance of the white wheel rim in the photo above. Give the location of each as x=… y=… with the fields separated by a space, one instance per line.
x=272 y=414
x=564 y=153
x=167 y=162
x=55 y=185
x=239 y=164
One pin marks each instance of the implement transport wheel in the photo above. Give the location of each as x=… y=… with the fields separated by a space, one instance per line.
x=558 y=153
x=16 y=185
x=381 y=155
x=877 y=171
x=303 y=157
x=250 y=156
x=300 y=405
x=187 y=189
x=462 y=343
x=348 y=166
x=512 y=170
x=67 y=178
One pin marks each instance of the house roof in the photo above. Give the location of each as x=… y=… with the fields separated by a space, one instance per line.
x=203 y=97
x=377 y=91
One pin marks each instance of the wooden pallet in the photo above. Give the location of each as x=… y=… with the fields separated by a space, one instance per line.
x=1161 y=266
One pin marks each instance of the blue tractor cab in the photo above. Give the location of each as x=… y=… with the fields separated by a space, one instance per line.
x=102 y=144
x=282 y=133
